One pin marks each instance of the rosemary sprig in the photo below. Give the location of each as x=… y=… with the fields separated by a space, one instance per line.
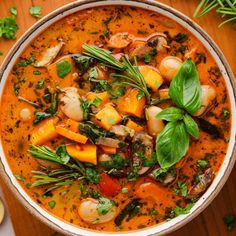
x=132 y=76
x=72 y=170
x=225 y=8
x=103 y=56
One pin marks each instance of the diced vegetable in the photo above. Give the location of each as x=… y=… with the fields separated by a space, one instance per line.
x=132 y=125
x=72 y=125
x=49 y=54
x=104 y=96
x=164 y=93
x=120 y=40
x=109 y=186
x=83 y=152
x=63 y=131
x=131 y=104
x=152 y=77
x=108 y=150
x=107 y=117
x=46 y=131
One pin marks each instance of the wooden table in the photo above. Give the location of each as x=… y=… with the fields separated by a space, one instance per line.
x=210 y=221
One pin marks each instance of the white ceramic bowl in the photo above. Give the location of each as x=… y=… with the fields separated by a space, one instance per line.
x=229 y=160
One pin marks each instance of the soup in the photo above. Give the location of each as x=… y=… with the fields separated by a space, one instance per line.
x=115 y=119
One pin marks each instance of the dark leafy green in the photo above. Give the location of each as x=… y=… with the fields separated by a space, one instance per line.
x=191 y=126
x=172 y=144
x=171 y=114
x=63 y=68
x=185 y=89
x=40 y=116
x=92 y=175
x=117 y=162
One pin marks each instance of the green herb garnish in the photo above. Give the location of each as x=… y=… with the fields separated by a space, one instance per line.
x=36 y=11
x=63 y=68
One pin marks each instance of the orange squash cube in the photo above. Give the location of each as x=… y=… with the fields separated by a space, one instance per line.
x=46 y=131
x=152 y=77
x=107 y=117
x=130 y=104
x=132 y=125
x=83 y=152
x=103 y=96
x=72 y=125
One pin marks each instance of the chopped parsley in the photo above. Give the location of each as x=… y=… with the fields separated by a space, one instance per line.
x=105 y=205
x=202 y=164
x=52 y=204
x=225 y=114
x=182 y=189
x=229 y=221
x=36 y=11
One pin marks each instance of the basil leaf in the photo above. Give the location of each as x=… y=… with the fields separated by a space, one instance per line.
x=172 y=144
x=171 y=114
x=191 y=126
x=185 y=89
x=63 y=68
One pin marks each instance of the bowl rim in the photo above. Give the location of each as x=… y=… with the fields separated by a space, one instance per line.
x=186 y=22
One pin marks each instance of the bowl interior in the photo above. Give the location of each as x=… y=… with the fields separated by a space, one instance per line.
x=226 y=167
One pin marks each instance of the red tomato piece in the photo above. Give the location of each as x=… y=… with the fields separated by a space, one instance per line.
x=109 y=186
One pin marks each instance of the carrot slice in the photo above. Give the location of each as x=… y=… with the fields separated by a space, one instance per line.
x=132 y=125
x=83 y=152
x=120 y=40
x=71 y=135
x=108 y=150
x=72 y=125
x=44 y=132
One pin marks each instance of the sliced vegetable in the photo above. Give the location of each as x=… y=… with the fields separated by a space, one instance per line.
x=83 y=152
x=46 y=131
x=133 y=125
x=50 y=54
x=152 y=77
x=108 y=150
x=104 y=96
x=107 y=117
x=131 y=103
x=109 y=186
x=65 y=132
x=72 y=125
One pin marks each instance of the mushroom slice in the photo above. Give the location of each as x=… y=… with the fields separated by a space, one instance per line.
x=199 y=188
x=49 y=55
x=110 y=142
x=158 y=41
x=2 y=211
x=122 y=130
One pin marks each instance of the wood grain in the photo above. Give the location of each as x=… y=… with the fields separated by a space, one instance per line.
x=210 y=222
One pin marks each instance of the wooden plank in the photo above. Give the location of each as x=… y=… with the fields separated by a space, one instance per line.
x=210 y=222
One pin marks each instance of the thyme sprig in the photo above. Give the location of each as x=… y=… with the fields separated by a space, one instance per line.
x=225 y=8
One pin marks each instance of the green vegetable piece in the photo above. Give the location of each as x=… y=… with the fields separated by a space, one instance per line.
x=105 y=205
x=172 y=144
x=185 y=90
x=229 y=221
x=8 y=27
x=182 y=211
x=20 y=178
x=202 y=164
x=36 y=11
x=13 y=11
x=182 y=189
x=62 y=153
x=117 y=162
x=92 y=175
x=39 y=84
x=40 y=116
x=225 y=114
x=52 y=204
x=191 y=126
x=63 y=68
x=171 y=114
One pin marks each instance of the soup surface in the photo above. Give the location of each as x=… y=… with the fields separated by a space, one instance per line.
x=115 y=119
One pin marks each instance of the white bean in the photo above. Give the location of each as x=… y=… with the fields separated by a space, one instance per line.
x=169 y=67
x=70 y=104
x=89 y=213
x=25 y=114
x=155 y=125
x=208 y=94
